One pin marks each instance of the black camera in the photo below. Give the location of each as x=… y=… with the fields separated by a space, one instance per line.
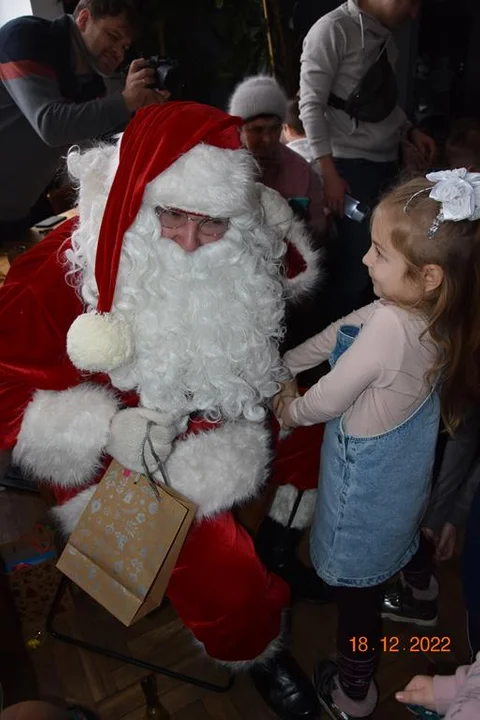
x=168 y=75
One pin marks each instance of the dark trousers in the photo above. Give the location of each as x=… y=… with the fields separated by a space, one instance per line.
x=349 y=285
x=359 y=629
x=471 y=574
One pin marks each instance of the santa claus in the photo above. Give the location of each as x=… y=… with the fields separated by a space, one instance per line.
x=165 y=302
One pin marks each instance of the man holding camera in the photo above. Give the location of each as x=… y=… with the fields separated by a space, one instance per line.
x=52 y=95
x=349 y=108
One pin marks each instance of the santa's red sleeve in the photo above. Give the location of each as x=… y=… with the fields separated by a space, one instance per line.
x=55 y=420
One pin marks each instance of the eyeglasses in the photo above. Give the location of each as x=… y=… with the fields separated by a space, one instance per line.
x=171 y=218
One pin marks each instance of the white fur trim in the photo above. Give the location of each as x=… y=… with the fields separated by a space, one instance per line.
x=284 y=502
x=280 y=217
x=99 y=343
x=277 y=212
x=207 y=180
x=93 y=171
x=68 y=514
x=63 y=434
x=222 y=467
x=304 y=282
x=270 y=651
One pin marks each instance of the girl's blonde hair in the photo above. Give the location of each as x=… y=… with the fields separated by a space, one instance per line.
x=453 y=309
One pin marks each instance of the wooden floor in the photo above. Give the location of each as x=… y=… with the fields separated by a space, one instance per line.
x=67 y=674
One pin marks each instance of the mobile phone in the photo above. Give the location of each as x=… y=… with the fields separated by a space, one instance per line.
x=50 y=222
x=421 y=712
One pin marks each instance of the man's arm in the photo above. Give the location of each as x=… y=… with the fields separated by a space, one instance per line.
x=58 y=122
x=323 y=51
x=322 y=54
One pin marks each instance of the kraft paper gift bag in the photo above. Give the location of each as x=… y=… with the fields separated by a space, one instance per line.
x=126 y=544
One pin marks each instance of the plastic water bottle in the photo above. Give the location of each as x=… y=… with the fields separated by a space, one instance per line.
x=354 y=209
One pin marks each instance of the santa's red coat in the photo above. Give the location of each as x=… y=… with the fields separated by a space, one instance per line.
x=219 y=587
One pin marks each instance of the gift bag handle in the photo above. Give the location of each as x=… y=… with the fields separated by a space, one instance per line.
x=160 y=464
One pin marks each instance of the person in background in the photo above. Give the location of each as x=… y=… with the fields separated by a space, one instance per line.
x=458 y=696
x=348 y=106
x=262 y=104
x=294 y=134
x=381 y=403
x=462 y=148
x=53 y=95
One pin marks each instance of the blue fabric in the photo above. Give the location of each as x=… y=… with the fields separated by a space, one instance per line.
x=372 y=493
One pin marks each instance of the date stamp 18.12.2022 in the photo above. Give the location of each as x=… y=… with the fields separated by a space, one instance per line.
x=396 y=644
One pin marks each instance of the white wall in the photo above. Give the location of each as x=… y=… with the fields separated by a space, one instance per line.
x=48 y=9
x=10 y=9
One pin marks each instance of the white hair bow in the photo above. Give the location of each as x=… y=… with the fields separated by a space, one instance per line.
x=458 y=191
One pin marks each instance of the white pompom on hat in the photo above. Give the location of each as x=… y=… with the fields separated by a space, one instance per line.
x=259 y=95
x=99 y=343
x=158 y=135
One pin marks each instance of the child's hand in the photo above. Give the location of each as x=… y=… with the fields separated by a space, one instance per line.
x=289 y=389
x=284 y=414
x=446 y=542
x=443 y=542
x=419 y=691
x=282 y=401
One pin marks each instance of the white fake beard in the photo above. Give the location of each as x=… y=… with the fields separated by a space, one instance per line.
x=206 y=324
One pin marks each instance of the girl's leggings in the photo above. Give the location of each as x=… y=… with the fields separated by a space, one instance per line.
x=359 y=629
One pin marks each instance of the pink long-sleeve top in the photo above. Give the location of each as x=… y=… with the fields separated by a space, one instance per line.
x=378 y=382
x=459 y=695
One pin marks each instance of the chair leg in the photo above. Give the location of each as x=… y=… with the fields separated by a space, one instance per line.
x=130 y=660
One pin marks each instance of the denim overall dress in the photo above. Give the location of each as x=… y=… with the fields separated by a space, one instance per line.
x=372 y=493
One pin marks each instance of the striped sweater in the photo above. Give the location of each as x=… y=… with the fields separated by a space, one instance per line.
x=45 y=107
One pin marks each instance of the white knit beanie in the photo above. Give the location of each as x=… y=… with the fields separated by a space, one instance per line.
x=258 y=95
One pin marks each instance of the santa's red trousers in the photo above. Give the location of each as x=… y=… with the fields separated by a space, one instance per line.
x=220 y=588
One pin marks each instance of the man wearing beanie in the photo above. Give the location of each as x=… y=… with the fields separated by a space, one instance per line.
x=164 y=304
x=262 y=104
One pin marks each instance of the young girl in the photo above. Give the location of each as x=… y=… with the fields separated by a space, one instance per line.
x=395 y=364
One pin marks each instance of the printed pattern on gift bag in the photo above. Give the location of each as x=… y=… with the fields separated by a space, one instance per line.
x=124 y=539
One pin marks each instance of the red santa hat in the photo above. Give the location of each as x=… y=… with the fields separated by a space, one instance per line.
x=156 y=138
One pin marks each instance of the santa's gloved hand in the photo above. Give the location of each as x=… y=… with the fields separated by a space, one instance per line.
x=127 y=437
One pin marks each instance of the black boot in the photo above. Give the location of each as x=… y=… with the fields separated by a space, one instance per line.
x=285 y=688
x=276 y=546
x=400 y=605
